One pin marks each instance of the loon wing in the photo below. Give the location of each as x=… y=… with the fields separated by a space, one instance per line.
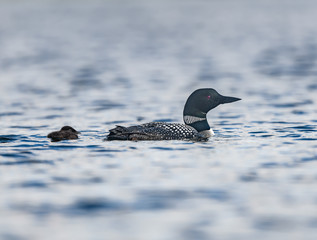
x=154 y=131
x=138 y=132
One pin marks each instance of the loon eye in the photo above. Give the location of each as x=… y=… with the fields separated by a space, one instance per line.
x=208 y=97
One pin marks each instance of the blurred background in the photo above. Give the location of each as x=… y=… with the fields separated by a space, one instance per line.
x=94 y=64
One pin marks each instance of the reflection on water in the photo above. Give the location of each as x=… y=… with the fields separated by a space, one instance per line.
x=98 y=64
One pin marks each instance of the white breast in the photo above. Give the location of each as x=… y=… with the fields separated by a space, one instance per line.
x=207 y=133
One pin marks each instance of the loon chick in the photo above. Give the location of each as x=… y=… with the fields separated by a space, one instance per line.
x=66 y=133
x=195 y=128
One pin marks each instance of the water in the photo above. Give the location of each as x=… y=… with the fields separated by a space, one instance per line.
x=96 y=64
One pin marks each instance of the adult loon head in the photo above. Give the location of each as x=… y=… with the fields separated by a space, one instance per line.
x=199 y=103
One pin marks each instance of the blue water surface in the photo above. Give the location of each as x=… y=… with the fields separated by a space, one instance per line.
x=96 y=64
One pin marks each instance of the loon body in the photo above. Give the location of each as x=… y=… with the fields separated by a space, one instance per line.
x=196 y=127
x=156 y=131
x=66 y=133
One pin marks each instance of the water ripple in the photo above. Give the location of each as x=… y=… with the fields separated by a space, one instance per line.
x=4 y=114
x=292 y=104
x=306 y=139
x=215 y=194
x=158 y=200
x=29 y=161
x=308 y=159
x=8 y=138
x=101 y=105
x=93 y=205
x=269 y=223
x=169 y=148
x=30 y=184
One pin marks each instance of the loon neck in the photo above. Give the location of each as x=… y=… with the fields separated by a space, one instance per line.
x=194 y=114
x=198 y=122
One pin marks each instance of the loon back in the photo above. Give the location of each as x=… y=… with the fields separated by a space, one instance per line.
x=155 y=131
x=196 y=127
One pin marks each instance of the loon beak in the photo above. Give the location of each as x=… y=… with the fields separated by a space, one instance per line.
x=225 y=99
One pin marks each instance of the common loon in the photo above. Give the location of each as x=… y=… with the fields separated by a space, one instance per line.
x=195 y=128
x=66 y=133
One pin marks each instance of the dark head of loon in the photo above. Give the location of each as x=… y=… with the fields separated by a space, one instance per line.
x=199 y=103
x=69 y=128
